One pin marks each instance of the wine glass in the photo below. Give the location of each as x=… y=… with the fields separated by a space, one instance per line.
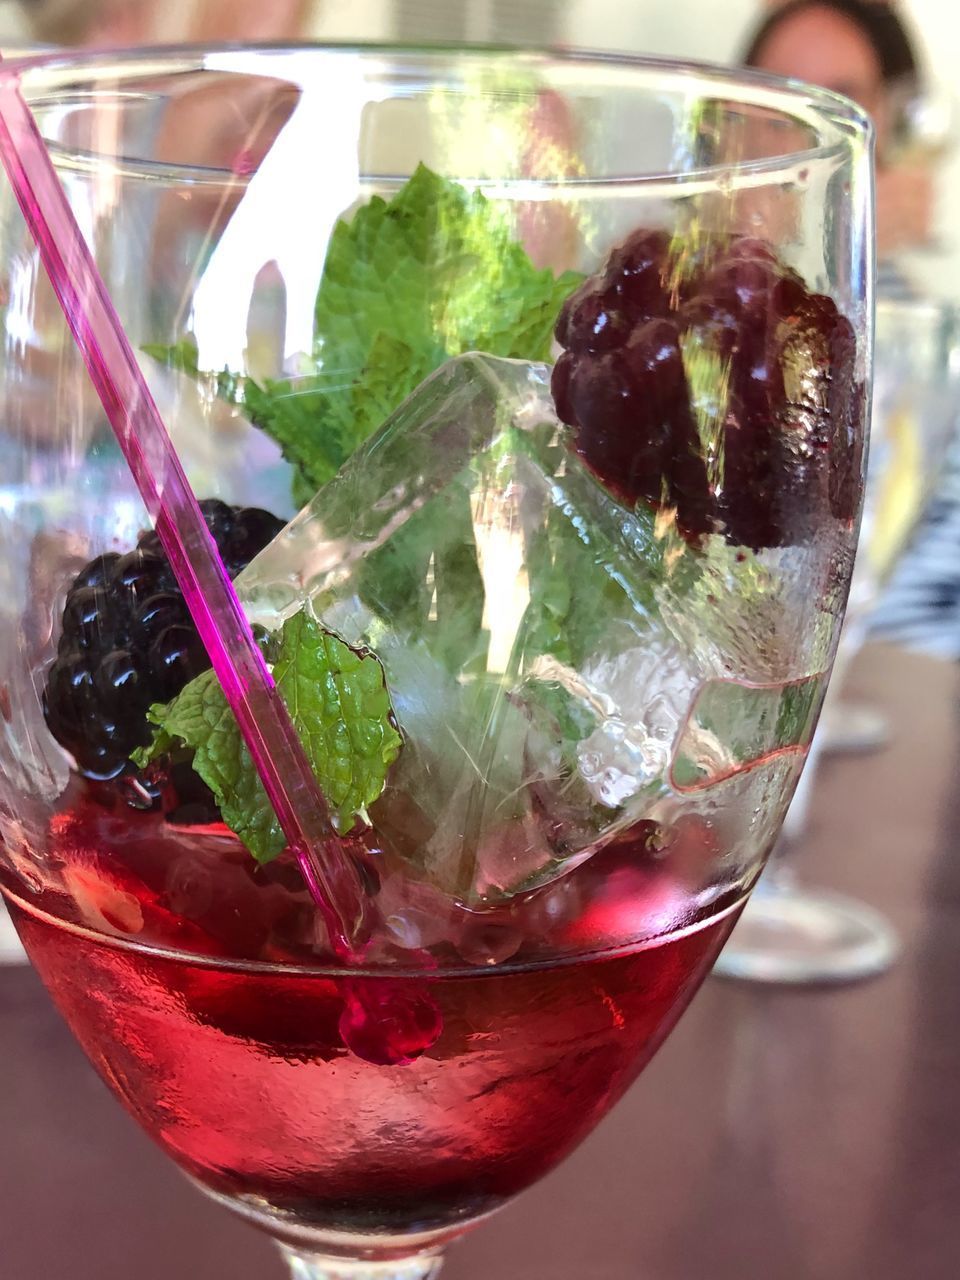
x=792 y=932
x=525 y=399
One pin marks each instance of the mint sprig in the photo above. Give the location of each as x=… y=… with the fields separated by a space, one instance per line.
x=434 y=272
x=407 y=283
x=338 y=701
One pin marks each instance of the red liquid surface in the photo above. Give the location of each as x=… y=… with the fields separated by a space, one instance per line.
x=238 y=1066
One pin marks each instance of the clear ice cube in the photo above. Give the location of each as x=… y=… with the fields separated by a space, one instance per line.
x=544 y=647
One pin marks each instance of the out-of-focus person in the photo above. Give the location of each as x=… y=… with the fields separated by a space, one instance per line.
x=861 y=48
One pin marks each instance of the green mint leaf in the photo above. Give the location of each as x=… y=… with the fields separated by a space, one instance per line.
x=294 y=414
x=439 y=268
x=161 y=744
x=338 y=700
x=407 y=283
x=183 y=355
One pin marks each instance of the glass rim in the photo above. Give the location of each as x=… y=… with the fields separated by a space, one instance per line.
x=331 y=969
x=836 y=121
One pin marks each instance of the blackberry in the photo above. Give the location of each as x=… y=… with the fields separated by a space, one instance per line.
x=713 y=384
x=127 y=640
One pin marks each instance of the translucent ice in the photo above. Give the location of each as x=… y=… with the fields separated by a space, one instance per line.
x=543 y=645
x=644 y=694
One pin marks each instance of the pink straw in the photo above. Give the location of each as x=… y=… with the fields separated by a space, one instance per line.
x=247 y=684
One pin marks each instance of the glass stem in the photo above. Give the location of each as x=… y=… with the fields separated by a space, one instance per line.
x=315 y=1266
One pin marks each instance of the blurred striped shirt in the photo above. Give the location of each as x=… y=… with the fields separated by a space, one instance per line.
x=921 y=605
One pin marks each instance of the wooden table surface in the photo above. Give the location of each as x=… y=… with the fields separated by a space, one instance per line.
x=779 y=1135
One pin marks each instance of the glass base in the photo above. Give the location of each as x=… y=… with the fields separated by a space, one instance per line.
x=323 y=1253
x=853 y=727
x=313 y=1266
x=807 y=936
x=11 y=952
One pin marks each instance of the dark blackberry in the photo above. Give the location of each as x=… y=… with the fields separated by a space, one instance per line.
x=658 y=334
x=127 y=640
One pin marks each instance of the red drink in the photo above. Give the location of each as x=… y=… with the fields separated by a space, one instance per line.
x=238 y=1068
